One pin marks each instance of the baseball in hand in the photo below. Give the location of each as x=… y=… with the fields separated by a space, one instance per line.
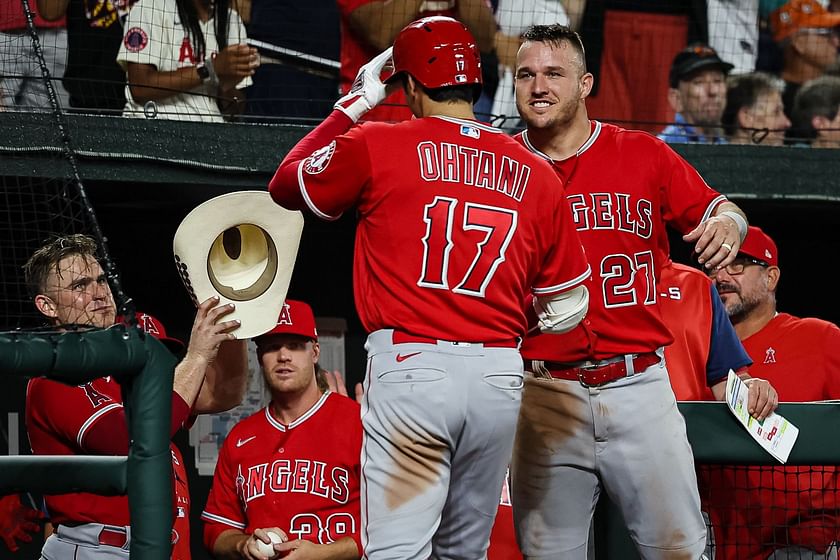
x=267 y=550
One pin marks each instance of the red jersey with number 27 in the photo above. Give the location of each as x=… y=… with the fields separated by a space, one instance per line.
x=302 y=478
x=457 y=222
x=622 y=187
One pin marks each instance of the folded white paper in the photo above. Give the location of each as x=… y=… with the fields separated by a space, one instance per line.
x=775 y=433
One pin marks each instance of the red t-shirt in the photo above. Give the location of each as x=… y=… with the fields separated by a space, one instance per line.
x=456 y=223
x=59 y=420
x=623 y=186
x=355 y=52
x=757 y=510
x=302 y=478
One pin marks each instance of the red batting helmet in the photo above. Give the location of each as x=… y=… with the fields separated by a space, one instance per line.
x=438 y=52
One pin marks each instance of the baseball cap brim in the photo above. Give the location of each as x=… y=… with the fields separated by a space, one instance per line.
x=707 y=64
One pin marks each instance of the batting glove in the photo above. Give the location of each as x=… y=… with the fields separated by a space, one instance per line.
x=367 y=90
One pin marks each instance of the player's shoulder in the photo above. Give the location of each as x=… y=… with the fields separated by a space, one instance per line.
x=342 y=403
x=808 y=324
x=625 y=136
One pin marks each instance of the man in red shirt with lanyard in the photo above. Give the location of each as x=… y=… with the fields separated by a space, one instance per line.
x=70 y=288
x=757 y=511
x=457 y=225
x=598 y=411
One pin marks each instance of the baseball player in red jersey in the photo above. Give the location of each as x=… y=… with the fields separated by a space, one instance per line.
x=369 y=26
x=598 y=411
x=795 y=510
x=457 y=225
x=293 y=467
x=89 y=419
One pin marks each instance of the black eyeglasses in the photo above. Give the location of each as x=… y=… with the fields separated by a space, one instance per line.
x=737 y=266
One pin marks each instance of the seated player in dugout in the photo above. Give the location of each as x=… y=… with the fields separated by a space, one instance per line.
x=70 y=288
x=287 y=478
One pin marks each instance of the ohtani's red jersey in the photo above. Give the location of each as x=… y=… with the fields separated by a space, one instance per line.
x=302 y=478
x=622 y=187
x=757 y=510
x=59 y=419
x=456 y=223
x=355 y=53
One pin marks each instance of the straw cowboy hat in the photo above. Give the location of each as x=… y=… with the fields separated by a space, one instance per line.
x=241 y=247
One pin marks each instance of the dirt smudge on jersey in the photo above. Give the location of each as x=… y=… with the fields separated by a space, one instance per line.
x=417 y=458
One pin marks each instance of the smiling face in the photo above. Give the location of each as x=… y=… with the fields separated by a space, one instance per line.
x=551 y=84
x=288 y=363
x=76 y=291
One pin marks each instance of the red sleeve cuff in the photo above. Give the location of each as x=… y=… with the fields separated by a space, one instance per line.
x=180 y=412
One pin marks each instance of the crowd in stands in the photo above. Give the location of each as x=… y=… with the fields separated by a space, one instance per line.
x=175 y=59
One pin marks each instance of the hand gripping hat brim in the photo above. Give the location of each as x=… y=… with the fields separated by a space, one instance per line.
x=242 y=248
x=437 y=51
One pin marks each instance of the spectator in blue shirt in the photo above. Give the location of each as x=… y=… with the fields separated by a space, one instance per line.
x=697 y=95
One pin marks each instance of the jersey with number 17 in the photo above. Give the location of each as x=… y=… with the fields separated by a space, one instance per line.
x=457 y=224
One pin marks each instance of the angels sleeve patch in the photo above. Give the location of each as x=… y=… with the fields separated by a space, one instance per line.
x=135 y=39
x=319 y=159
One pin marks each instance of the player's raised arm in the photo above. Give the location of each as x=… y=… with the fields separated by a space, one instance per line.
x=314 y=152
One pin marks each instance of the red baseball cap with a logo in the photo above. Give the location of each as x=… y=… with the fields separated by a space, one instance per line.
x=151 y=325
x=296 y=317
x=758 y=245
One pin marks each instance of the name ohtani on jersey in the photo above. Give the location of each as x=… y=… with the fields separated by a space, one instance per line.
x=453 y=163
x=296 y=476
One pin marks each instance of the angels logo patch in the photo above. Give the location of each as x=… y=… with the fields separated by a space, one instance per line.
x=320 y=159
x=135 y=39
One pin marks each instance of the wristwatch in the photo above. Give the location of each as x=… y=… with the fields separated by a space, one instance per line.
x=206 y=72
x=203 y=72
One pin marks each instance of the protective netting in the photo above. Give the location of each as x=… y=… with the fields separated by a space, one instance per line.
x=186 y=60
x=760 y=512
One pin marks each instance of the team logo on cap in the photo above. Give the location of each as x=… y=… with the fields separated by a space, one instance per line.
x=285 y=316
x=768 y=254
x=319 y=159
x=149 y=325
x=135 y=39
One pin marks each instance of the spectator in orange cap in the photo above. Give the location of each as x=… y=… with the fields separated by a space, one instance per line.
x=808 y=35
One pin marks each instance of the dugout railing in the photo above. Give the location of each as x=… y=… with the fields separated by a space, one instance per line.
x=717 y=438
x=144 y=368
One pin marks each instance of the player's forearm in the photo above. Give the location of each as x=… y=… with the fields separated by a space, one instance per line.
x=344 y=548
x=189 y=377
x=478 y=18
x=147 y=84
x=379 y=22
x=230 y=544
x=719 y=388
x=225 y=380
x=284 y=185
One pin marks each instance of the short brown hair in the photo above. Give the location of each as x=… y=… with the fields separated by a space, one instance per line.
x=46 y=258
x=554 y=35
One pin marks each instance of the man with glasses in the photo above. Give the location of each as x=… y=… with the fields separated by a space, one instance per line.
x=807 y=33
x=757 y=510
